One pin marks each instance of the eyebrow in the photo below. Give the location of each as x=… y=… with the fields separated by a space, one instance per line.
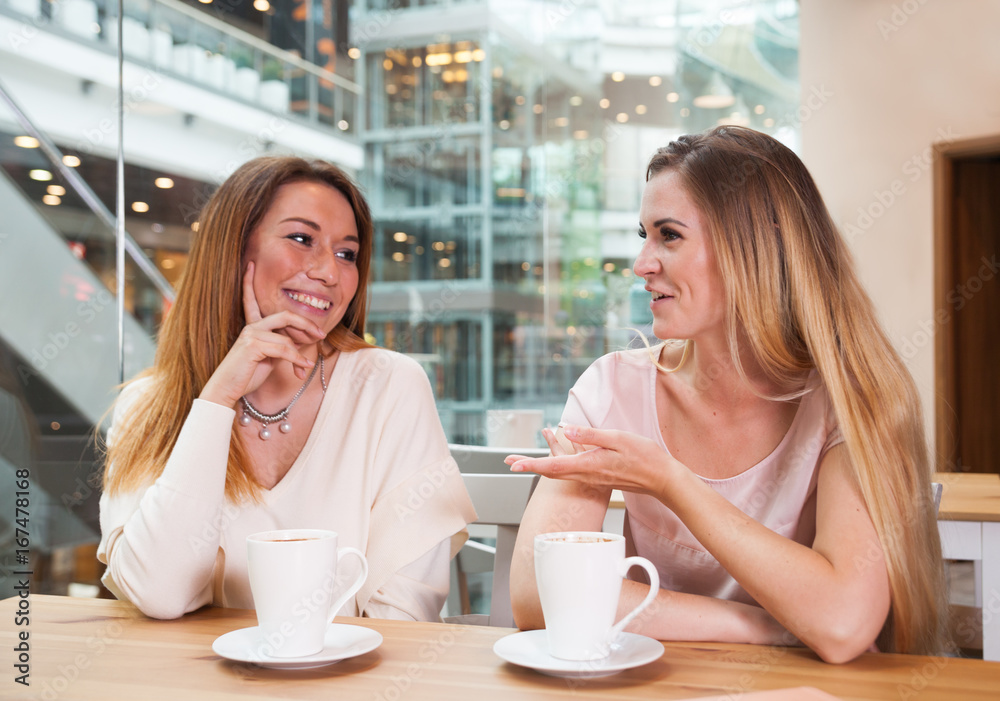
x=669 y=220
x=313 y=225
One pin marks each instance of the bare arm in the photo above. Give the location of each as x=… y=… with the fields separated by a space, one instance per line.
x=834 y=597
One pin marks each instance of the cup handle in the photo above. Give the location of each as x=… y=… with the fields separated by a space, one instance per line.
x=353 y=589
x=654 y=587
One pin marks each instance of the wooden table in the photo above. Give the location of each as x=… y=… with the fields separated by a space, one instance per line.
x=969 y=524
x=85 y=649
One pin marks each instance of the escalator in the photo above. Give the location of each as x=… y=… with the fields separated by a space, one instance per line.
x=59 y=353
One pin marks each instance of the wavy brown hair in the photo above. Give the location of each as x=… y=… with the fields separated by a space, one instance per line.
x=208 y=316
x=794 y=298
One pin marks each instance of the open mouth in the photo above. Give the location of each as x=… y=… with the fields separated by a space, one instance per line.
x=309 y=300
x=657 y=296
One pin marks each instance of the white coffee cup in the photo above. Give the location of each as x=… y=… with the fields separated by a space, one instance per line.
x=293 y=579
x=579 y=577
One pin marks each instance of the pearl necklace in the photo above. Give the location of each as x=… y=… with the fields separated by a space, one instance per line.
x=250 y=411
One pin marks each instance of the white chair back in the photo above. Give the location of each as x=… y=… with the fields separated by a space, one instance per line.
x=500 y=498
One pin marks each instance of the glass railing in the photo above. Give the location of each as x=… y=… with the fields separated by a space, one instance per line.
x=191 y=45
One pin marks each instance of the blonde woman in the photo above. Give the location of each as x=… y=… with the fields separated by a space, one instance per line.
x=267 y=409
x=773 y=463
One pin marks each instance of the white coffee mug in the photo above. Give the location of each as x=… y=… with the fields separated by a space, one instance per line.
x=293 y=579
x=579 y=576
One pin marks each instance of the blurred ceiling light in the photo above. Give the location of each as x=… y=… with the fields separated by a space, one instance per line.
x=538 y=109
x=622 y=117
x=580 y=134
x=576 y=101
x=525 y=266
x=504 y=124
x=57 y=190
x=462 y=75
x=609 y=267
x=168 y=264
x=40 y=174
x=605 y=103
x=498 y=72
x=398 y=256
x=463 y=56
x=560 y=122
x=655 y=80
x=140 y=207
x=768 y=122
x=444 y=263
x=71 y=161
x=205 y=2
x=442 y=59
x=673 y=97
x=618 y=76
x=399 y=236
x=519 y=99
x=685 y=112
x=261 y=5
x=478 y=55
x=51 y=199
x=417 y=62
x=354 y=52
x=448 y=76
x=26 y=141
x=392 y=89
x=759 y=109
x=164 y=183
x=717 y=94
x=640 y=109
x=343 y=125
x=195 y=226
x=387 y=64
x=438 y=245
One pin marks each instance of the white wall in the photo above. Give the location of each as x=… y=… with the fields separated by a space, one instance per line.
x=888 y=79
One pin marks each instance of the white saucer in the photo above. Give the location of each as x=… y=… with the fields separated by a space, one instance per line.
x=340 y=642
x=530 y=648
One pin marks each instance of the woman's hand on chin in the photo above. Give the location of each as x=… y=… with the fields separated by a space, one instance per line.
x=257 y=350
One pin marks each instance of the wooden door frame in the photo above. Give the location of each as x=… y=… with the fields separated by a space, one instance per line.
x=945 y=155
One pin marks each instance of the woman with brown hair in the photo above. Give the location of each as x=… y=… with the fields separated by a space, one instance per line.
x=267 y=409
x=773 y=461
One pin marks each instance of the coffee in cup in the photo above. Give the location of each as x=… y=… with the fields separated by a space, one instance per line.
x=293 y=579
x=579 y=576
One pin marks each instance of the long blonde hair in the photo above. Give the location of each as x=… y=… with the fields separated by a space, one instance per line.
x=794 y=298
x=208 y=316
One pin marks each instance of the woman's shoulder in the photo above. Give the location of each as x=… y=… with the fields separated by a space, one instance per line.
x=381 y=364
x=628 y=360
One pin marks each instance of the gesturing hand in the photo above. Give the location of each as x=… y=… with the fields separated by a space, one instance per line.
x=257 y=349
x=616 y=460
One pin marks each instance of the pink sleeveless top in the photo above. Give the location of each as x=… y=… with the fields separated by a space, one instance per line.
x=619 y=392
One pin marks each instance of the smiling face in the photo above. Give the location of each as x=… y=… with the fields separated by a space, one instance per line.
x=304 y=252
x=677 y=262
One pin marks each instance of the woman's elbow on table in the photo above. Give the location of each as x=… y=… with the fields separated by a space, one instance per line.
x=840 y=644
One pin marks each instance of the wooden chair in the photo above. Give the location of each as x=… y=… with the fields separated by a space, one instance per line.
x=500 y=498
